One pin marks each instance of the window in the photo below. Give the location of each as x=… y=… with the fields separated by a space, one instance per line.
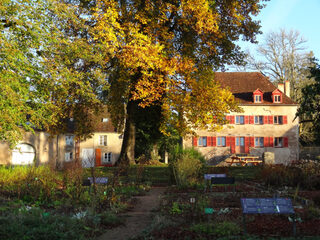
x=258 y=142
x=257 y=98
x=278 y=120
x=240 y=141
x=69 y=140
x=202 y=141
x=278 y=142
x=105 y=120
x=103 y=140
x=68 y=156
x=258 y=119
x=107 y=157
x=239 y=119
x=277 y=98
x=221 y=141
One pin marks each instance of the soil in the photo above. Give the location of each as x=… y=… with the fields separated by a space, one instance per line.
x=138 y=218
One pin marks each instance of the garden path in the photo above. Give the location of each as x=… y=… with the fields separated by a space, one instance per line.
x=138 y=218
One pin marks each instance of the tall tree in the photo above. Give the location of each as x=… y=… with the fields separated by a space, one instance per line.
x=47 y=67
x=283 y=56
x=309 y=110
x=166 y=51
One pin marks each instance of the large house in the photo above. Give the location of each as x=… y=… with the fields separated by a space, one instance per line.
x=267 y=123
x=59 y=151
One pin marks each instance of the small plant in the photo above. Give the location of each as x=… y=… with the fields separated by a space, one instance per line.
x=202 y=228
x=175 y=209
x=226 y=229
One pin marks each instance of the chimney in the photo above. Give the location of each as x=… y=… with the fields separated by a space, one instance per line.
x=287 y=88
x=281 y=87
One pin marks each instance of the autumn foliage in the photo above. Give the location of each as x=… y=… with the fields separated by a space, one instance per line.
x=167 y=51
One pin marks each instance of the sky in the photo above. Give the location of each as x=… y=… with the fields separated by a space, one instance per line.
x=300 y=15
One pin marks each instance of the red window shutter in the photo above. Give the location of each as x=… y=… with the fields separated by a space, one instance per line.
x=194 y=141
x=228 y=141
x=270 y=141
x=251 y=141
x=214 y=141
x=266 y=141
x=228 y=118
x=285 y=142
x=233 y=144
x=232 y=119
x=285 y=119
x=246 y=144
x=265 y=120
x=98 y=157
x=209 y=141
x=251 y=118
x=270 y=119
x=246 y=119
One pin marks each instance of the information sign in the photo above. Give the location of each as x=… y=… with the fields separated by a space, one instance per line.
x=208 y=210
x=99 y=180
x=267 y=205
x=223 y=180
x=213 y=175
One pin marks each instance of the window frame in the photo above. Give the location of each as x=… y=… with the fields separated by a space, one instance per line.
x=278 y=142
x=259 y=142
x=103 y=141
x=257 y=98
x=221 y=141
x=202 y=141
x=259 y=117
x=68 y=156
x=275 y=98
x=67 y=139
x=277 y=118
x=106 y=157
x=239 y=119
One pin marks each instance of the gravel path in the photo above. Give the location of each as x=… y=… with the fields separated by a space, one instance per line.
x=138 y=218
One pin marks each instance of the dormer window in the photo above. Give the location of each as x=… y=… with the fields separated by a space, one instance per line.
x=277 y=96
x=258 y=96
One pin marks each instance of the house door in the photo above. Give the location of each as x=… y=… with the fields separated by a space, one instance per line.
x=240 y=145
x=88 y=158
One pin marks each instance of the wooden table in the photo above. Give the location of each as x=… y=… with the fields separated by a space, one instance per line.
x=243 y=160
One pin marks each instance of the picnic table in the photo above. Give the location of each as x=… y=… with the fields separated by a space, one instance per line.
x=244 y=160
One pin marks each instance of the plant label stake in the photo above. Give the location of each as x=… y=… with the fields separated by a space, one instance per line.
x=209 y=212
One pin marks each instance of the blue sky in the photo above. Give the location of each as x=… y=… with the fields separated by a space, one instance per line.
x=300 y=15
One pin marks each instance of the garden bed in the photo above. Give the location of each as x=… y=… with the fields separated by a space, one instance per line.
x=183 y=219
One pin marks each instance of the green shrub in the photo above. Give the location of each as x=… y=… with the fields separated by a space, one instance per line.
x=35 y=224
x=187 y=166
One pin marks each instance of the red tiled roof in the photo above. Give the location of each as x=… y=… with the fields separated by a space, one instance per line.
x=243 y=84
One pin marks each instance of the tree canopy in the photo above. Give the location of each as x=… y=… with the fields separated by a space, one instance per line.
x=309 y=110
x=46 y=68
x=167 y=51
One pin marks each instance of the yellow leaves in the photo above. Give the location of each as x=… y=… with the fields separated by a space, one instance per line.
x=205 y=20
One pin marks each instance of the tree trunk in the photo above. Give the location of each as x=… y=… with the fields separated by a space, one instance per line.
x=129 y=136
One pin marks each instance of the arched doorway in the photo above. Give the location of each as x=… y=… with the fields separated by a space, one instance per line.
x=23 y=154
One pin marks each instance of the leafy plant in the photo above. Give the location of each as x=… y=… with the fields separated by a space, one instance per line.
x=226 y=228
x=187 y=166
x=206 y=228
